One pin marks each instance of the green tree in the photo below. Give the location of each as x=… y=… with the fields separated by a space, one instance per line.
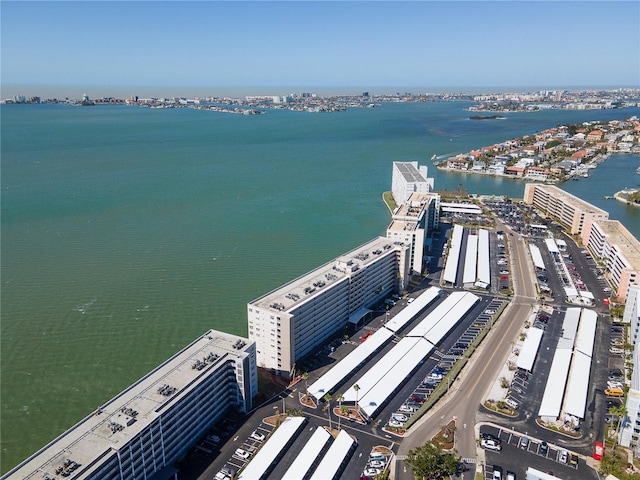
x=328 y=397
x=619 y=411
x=431 y=462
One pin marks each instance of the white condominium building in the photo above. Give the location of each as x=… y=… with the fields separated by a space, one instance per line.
x=630 y=428
x=411 y=224
x=408 y=178
x=612 y=243
x=291 y=321
x=571 y=211
x=153 y=422
x=632 y=313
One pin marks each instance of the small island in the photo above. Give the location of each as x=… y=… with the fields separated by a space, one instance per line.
x=630 y=196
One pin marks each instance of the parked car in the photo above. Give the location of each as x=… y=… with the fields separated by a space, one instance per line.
x=395 y=424
x=489 y=436
x=242 y=453
x=257 y=436
x=563 y=456
x=614 y=392
x=544 y=448
x=524 y=442
x=399 y=417
x=490 y=445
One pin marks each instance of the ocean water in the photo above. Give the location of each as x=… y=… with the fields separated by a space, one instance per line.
x=128 y=232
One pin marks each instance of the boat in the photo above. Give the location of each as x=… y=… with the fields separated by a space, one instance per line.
x=434 y=156
x=638 y=170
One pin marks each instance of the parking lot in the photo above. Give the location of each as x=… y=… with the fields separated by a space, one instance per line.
x=519 y=451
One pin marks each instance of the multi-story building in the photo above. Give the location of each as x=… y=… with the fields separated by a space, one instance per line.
x=152 y=423
x=571 y=211
x=632 y=313
x=412 y=223
x=291 y=321
x=613 y=244
x=408 y=178
x=630 y=428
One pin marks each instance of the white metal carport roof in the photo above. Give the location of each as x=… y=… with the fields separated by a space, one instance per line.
x=332 y=460
x=536 y=256
x=303 y=462
x=586 y=336
x=551 y=245
x=259 y=465
x=453 y=257
x=529 y=349
x=484 y=264
x=556 y=381
x=412 y=309
x=575 y=399
x=470 y=260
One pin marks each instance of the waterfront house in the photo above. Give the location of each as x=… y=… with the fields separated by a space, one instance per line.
x=515 y=171
x=537 y=174
x=458 y=163
x=594 y=136
x=497 y=168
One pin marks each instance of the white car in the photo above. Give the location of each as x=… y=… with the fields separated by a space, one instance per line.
x=257 y=436
x=615 y=384
x=406 y=408
x=376 y=464
x=243 y=454
x=371 y=472
x=490 y=445
x=399 y=417
x=563 y=457
x=395 y=423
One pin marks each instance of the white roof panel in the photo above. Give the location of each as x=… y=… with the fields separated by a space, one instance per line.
x=453 y=257
x=536 y=256
x=375 y=398
x=303 y=462
x=470 y=260
x=330 y=463
x=575 y=399
x=412 y=309
x=386 y=363
x=259 y=465
x=436 y=315
x=459 y=310
x=551 y=245
x=556 y=381
x=327 y=382
x=586 y=335
x=529 y=349
x=484 y=264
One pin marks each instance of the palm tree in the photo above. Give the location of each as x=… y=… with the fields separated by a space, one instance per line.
x=356 y=388
x=327 y=398
x=621 y=412
x=448 y=429
x=339 y=398
x=344 y=410
x=305 y=377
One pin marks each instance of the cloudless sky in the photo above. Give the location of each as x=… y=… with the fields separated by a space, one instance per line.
x=321 y=44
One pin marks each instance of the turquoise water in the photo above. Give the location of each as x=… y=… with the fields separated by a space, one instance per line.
x=127 y=232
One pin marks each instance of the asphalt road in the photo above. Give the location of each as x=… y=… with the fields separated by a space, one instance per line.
x=463 y=400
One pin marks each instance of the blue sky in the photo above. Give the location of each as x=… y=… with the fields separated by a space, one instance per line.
x=366 y=45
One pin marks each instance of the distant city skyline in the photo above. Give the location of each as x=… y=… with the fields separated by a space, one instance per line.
x=205 y=48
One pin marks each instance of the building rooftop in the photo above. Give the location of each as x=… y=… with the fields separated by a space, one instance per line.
x=297 y=291
x=570 y=199
x=119 y=420
x=409 y=172
x=407 y=216
x=618 y=235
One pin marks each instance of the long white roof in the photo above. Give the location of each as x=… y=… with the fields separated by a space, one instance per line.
x=536 y=256
x=569 y=328
x=575 y=399
x=327 y=382
x=259 y=465
x=470 y=260
x=418 y=349
x=450 y=320
x=556 y=381
x=412 y=309
x=529 y=349
x=330 y=464
x=586 y=335
x=348 y=364
x=385 y=376
x=379 y=370
x=445 y=308
x=303 y=462
x=453 y=257
x=484 y=264
x=551 y=245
